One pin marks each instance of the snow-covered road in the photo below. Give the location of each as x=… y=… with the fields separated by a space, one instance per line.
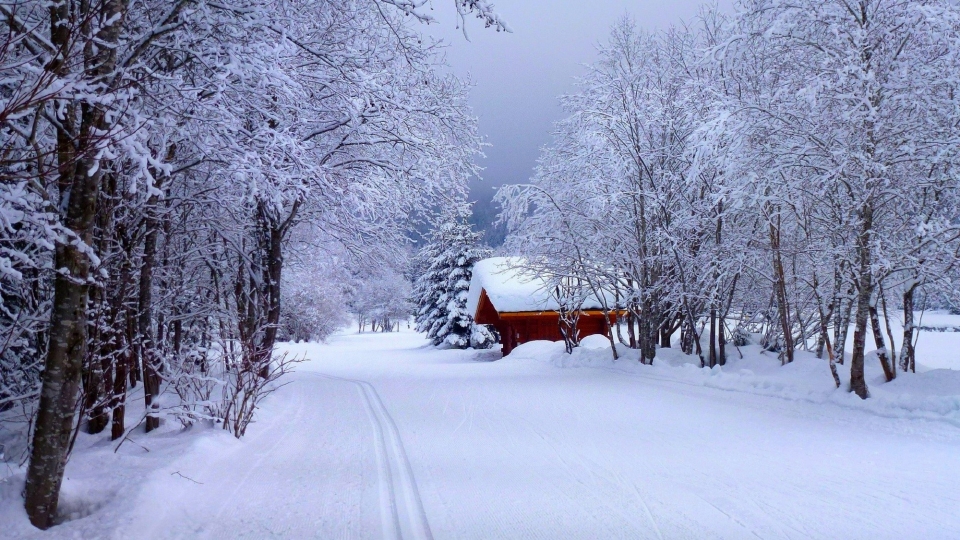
x=522 y=449
x=379 y=436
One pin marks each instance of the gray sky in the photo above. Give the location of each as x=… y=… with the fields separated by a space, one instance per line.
x=518 y=76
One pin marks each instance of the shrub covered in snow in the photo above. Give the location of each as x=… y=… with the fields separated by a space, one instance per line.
x=312 y=310
x=381 y=300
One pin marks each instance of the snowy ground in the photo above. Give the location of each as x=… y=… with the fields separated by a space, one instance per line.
x=381 y=436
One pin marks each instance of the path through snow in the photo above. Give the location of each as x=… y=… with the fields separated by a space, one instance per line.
x=380 y=436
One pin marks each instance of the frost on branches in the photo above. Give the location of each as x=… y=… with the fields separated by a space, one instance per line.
x=314 y=299
x=381 y=299
x=441 y=289
x=787 y=172
x=161 y=163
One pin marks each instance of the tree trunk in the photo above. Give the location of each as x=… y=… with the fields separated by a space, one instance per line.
x=133 y=362
x=842 y=328
x=620 y=334
x=146 y=348
x=272 y=233
x=780 y=291
x=95 y=364
x=613 y=345
x=907 y=361
x=886 y=323
x=712 y=355
x=715 y=296
x=687 y=335
x=824 y=316
x=648 y=331
x=825 y=337
x=858 y=383
x=177 y=335
x=722 y=341
x=668 y=326
x=882 y=354
x=79 y=179
x=119 y=397
x=833 y=363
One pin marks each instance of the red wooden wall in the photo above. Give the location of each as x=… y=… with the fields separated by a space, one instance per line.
x=517 y=328
x=520 y=328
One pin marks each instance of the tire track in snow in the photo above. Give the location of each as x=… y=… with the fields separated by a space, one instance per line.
x=401 y=509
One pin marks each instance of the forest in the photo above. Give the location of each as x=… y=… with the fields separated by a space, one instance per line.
x=789 y=171
x=171 y=169
x=186 y=184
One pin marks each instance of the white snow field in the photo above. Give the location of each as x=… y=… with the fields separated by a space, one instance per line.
x=381 y=436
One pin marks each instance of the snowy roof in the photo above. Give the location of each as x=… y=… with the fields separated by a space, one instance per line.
x=511 y=288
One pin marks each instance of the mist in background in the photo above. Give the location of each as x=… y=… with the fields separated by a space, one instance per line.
x=518 y=76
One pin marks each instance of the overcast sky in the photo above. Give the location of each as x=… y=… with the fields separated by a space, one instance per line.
x=519 y=75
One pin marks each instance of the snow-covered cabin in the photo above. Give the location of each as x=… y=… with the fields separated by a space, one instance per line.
x=519 y=305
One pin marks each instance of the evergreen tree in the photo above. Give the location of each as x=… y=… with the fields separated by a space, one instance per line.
x=441 y=289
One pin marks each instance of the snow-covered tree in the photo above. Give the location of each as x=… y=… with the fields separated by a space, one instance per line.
x=790 y=169
x=157 y=160
x=314 y=299
x=381 y=299
x=441 y=289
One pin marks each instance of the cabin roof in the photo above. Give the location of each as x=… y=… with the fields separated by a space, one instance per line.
x=512 y=289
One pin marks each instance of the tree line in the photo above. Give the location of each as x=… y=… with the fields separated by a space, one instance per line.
x=160 y=161
x=789 y=169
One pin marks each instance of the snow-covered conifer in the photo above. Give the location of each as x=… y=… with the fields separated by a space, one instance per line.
x=441 y=290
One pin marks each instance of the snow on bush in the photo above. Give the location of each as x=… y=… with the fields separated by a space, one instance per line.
x=381 y=298
x=314 y=305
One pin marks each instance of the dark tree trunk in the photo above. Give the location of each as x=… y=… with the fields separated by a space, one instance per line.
x=882 y=353
x=780 y=291
x=649 y=330
x=858 y=383
x=146 y=347
x=712 y=354
x=686 y=336
x=273 y=270
x=177 y=336
x=95 y=364
x=133 y=363
x=79 y=181
x=886 y=323
x=714 y=298
x=907 y=360
x=722 y=337
x=100 y=412
x=668 y=326
x=119 y=397
x=721 y=341
x=61 y=383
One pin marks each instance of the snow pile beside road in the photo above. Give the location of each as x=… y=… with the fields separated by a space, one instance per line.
x=103 y=487
x=931 y=395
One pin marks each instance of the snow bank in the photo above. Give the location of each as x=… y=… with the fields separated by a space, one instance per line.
x=105 y=485
x=512 y=289
x=931 y=395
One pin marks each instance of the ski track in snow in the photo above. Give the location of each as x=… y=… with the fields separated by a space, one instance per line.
x=380 y=436
x=396 y=475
